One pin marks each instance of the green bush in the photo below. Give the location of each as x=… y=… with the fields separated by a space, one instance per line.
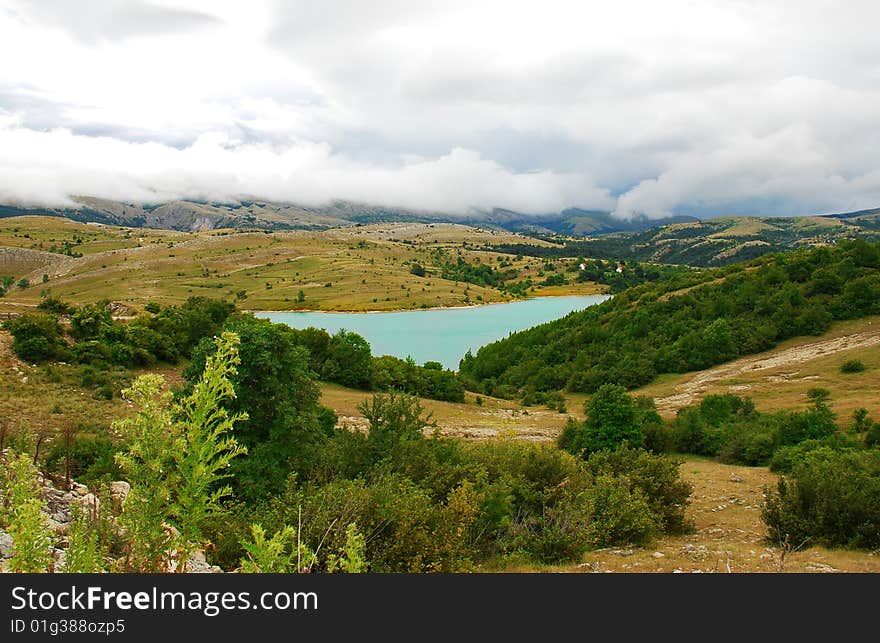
x=830 y=498
x=852 y=366
x=37 y=337
x=91 y=460
x=613 y=418
x=656 y=477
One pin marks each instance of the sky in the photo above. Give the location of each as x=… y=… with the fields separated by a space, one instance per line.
x=636 y=107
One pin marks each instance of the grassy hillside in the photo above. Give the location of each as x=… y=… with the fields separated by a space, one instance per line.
x=781 y=377
x=355 y=268
x=713 y=242
x=685 y=323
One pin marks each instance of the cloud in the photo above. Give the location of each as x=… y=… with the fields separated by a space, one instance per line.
x=47 y=167
x=97 y=20
x=723 y=106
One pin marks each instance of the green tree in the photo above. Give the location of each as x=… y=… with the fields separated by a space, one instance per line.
x=612 y=419
x=275 y=387
x=36 y=337
x=349 y=361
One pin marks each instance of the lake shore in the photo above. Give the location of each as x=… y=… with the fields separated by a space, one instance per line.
x=415 y=310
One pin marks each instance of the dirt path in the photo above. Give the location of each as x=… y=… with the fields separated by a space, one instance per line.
x=690 y=390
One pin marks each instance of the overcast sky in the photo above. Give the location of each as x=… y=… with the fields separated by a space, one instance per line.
x=634 y=106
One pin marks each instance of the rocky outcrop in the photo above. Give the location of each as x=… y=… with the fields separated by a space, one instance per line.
x=61 y=506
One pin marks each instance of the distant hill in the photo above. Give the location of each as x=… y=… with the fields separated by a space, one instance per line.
x=194 y=216
x=713 y=242
x=575 y=232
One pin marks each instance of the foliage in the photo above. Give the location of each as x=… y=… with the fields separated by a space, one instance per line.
x=831 y=497
x=274 y=386
x=83 y=554
x=177 y=454
x=280 y=554
x=728 y=426
x=91 y=459
x=37 y=337
x=685 y=322
x=24 y=520
x=852 y=366
x=612 y=419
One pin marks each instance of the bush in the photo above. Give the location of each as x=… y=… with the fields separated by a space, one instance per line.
x=852 y=366
x=619 y=513
x=830 y=498
x=91 y=460
x=612 y=419
x=655 y=476
x=36 y=337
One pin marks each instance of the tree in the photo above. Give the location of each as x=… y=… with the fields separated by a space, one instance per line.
x=36 y=337
x=275 y=387
x=394 y=418
x=349 y=361
x=417 y=269
x=612 y=420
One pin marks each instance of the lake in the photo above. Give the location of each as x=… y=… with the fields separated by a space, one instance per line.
x=439 y=334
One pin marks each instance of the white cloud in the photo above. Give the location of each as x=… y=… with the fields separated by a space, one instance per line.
x=48 y=167
x=725 y=105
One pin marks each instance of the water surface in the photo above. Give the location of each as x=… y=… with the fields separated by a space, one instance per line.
x=442 y=334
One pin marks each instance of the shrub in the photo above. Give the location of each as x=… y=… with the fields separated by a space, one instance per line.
x=91 y=459
x=656 y=476
x=852 y=366
x=36 y=337
x=830 y=498
x=619 y=514
x=612 y=419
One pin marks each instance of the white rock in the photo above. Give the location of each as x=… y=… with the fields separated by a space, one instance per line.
x=5 y=544
x=119 y=490
x=658 y=554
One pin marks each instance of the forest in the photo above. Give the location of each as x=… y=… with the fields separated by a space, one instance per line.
x=684 y=323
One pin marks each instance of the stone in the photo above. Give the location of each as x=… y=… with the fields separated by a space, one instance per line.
x=658 y=554
x=5 y=545
x=119 y=490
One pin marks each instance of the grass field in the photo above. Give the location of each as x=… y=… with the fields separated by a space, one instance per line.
x=356 y=268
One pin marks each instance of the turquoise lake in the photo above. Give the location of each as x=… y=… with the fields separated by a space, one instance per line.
x=444 y=334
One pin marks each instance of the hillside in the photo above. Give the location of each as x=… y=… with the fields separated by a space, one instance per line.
x=368 y=267
x=713 y=242
x=685 y=323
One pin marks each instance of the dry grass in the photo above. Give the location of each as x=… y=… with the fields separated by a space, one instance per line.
x=781 y=377
x=729 y=536
x=492 y=419
x=353 y=269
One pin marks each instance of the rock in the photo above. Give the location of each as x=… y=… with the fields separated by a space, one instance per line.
x=621 y=552
x=119 y=490
x=79 y=489
x=735 y=478
x=658 y=554
x=5 y=545
x=198 y=564
x=60 y=528
x=90 y=504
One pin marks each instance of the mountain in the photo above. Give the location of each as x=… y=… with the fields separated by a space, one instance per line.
x=188 y=215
